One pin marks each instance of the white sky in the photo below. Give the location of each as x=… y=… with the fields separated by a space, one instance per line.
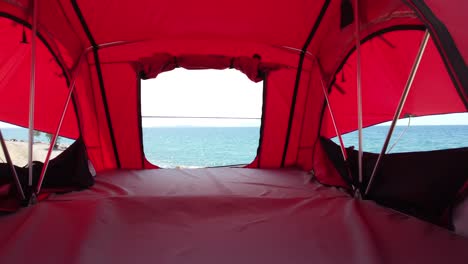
x=201 y=93
x=221 y=93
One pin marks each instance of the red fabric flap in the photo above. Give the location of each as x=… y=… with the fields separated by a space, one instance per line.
x=254 y=68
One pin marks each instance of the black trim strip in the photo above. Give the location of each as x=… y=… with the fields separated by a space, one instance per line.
x=446 y=46
x=100 y=78
x=83 y=23
x=140 y=121
x=262 y=124
x=304 y=110
x=106 y=106
x=322 y=113
x=298 y=77
x=56 y=58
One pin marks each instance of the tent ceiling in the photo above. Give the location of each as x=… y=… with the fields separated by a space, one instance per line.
x=255 y=21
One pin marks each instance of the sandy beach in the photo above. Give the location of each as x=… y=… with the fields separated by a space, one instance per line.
x=19 y=152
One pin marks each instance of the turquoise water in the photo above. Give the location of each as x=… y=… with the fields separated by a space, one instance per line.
x=200 y=146
x=216 y=146
x=416 y=138
x=219 y=146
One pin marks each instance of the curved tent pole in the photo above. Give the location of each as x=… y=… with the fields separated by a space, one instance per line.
x=401 y=104
x=400 y=136
x=359 y=90
x=62 y=117
x=32 y=93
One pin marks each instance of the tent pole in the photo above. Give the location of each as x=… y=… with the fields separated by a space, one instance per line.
x=359 y=90
x=401 y=104
x=337 y=131
x=338 y=134
x=59 y=125
x=296 y=51
x=12 y=168
x=32 y=92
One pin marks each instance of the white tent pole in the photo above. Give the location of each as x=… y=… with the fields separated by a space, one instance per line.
x=59 y=125
x=12 y=168
x=32 y=91
x=359 y=90
x=401 y=104
x=330 y=110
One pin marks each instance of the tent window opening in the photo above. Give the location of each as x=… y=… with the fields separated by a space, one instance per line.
x=410 y=66
x=51 y=91
x=16 y=139
x=201 y=118
x=412 y=134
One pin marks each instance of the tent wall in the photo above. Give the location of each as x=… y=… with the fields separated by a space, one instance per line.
x=51 y=81
x=311 y=111
x=445 y=23
x=89 y=109
x=55 y=24
x=124 y=31
x=106 y=144
x=276 y=116
x=295 y=120
x=334 y=41
x=124 y=106
x=386 y=62
x=310 y=154
x=451 y=16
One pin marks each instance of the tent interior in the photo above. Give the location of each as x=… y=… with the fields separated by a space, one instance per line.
x=74 y=69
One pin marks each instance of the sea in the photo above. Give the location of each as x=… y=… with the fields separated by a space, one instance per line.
x=194 y=147
x=200 y=146
x=408 y=139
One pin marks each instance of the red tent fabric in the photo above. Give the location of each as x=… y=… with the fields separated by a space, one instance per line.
x=293 y=46
x=431 y=93
x=308 y=38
